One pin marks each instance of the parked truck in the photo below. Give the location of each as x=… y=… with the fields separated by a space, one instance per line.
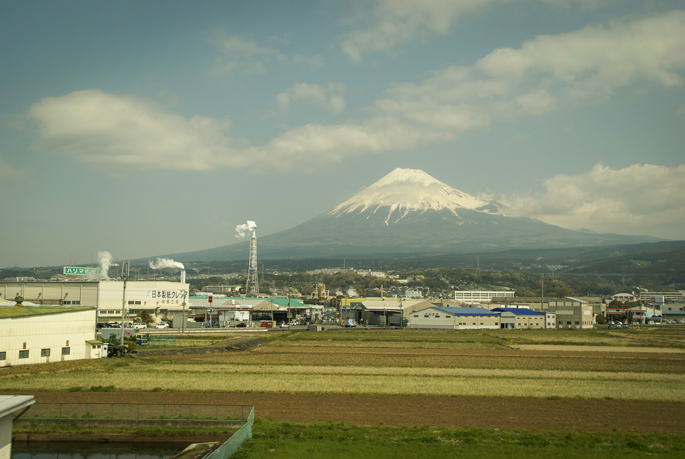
x=349 y=323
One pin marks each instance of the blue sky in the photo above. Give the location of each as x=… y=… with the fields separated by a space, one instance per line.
x=147 y=128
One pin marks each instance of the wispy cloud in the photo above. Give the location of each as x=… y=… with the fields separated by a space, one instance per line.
x=10 y=175
x=638 y=199
x=250 y=57
x=399 y=21
x=330 y=97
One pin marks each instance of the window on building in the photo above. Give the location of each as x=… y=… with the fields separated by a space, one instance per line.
x=474 y=323
x=3 y=355
x=45 y=352
x=66 y=351
x=568 y=322
x=137 y=302
x=131 y=302
x=77 y=303
x=23 y=354
x=416 y=315
x=66 y=302
x=577 y=323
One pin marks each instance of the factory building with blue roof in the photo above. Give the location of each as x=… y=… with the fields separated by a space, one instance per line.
x=451 y=318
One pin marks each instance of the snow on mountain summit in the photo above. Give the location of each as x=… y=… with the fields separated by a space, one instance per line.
x=411 y=190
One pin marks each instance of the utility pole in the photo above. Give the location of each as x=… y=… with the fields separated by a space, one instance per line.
x=125 y=265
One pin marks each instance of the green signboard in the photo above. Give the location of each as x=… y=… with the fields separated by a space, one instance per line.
x=79 y=271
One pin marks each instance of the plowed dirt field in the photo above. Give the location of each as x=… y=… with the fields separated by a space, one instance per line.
x=410 y=410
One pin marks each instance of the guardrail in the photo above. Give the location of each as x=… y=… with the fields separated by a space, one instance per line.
x=139 y=411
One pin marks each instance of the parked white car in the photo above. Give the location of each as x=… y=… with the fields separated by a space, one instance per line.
x=139 y=325
x=162 y=325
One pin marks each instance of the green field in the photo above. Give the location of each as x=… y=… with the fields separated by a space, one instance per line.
x=292 y=440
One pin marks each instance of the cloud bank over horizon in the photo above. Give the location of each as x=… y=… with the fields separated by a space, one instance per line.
x=642 y=199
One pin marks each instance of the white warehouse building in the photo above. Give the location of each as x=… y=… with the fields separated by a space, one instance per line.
x=480 y=296
x=30 y=335
x=156 y=297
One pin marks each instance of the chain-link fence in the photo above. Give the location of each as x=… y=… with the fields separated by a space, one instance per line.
x=237 y=439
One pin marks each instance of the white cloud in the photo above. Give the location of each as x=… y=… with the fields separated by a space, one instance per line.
x=330 y=97
x=548 y=72
x=103 y=129
x=545 y=73
x=314 y=145
x=250 y=57
x=122 y=131
x=639 y=199
x=399 y=21
x=13 y=175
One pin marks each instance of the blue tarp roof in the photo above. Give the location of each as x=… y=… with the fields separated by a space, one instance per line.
x=520 y=311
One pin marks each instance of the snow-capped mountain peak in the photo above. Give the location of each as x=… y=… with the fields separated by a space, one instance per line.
x=411 y=190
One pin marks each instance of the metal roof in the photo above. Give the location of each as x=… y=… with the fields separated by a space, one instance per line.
x=28 y=311
x=467 y=311
x=520 y=311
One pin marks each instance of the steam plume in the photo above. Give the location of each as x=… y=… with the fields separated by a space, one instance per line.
x=162 y=263
x=105 y=261
x=245 y=229
x=352 y=292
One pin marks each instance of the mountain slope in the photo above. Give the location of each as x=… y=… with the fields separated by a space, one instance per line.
x=408 y=211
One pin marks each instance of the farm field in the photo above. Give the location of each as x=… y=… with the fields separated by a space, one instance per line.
x=551 y=381
x=397 y=363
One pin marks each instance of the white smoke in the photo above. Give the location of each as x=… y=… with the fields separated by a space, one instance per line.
x=245 y=229
x=162 y=263
x=352 y=292
x=104 y=261
x=339 y=293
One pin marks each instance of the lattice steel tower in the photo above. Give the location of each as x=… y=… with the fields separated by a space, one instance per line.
x=252 y=286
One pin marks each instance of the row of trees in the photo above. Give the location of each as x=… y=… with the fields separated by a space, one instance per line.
x=434 y=280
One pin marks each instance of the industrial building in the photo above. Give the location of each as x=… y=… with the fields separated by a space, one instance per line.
x=454 y=318
x=43 y=334
x=383 y=311
x=676 y=297
x=224 y=311
x=480 y=296
x=570 y=312
x=156 y=297
x=519 y=318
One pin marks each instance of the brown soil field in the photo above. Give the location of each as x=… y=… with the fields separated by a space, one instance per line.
x=450 y=358
x=413 y=410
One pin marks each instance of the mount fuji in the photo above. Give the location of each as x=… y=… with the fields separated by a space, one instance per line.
x=410 y=212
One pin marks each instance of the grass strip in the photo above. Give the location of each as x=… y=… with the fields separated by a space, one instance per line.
x=334 y=440
x=421 y=371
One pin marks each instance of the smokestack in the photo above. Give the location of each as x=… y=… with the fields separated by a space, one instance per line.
x=183 y=276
